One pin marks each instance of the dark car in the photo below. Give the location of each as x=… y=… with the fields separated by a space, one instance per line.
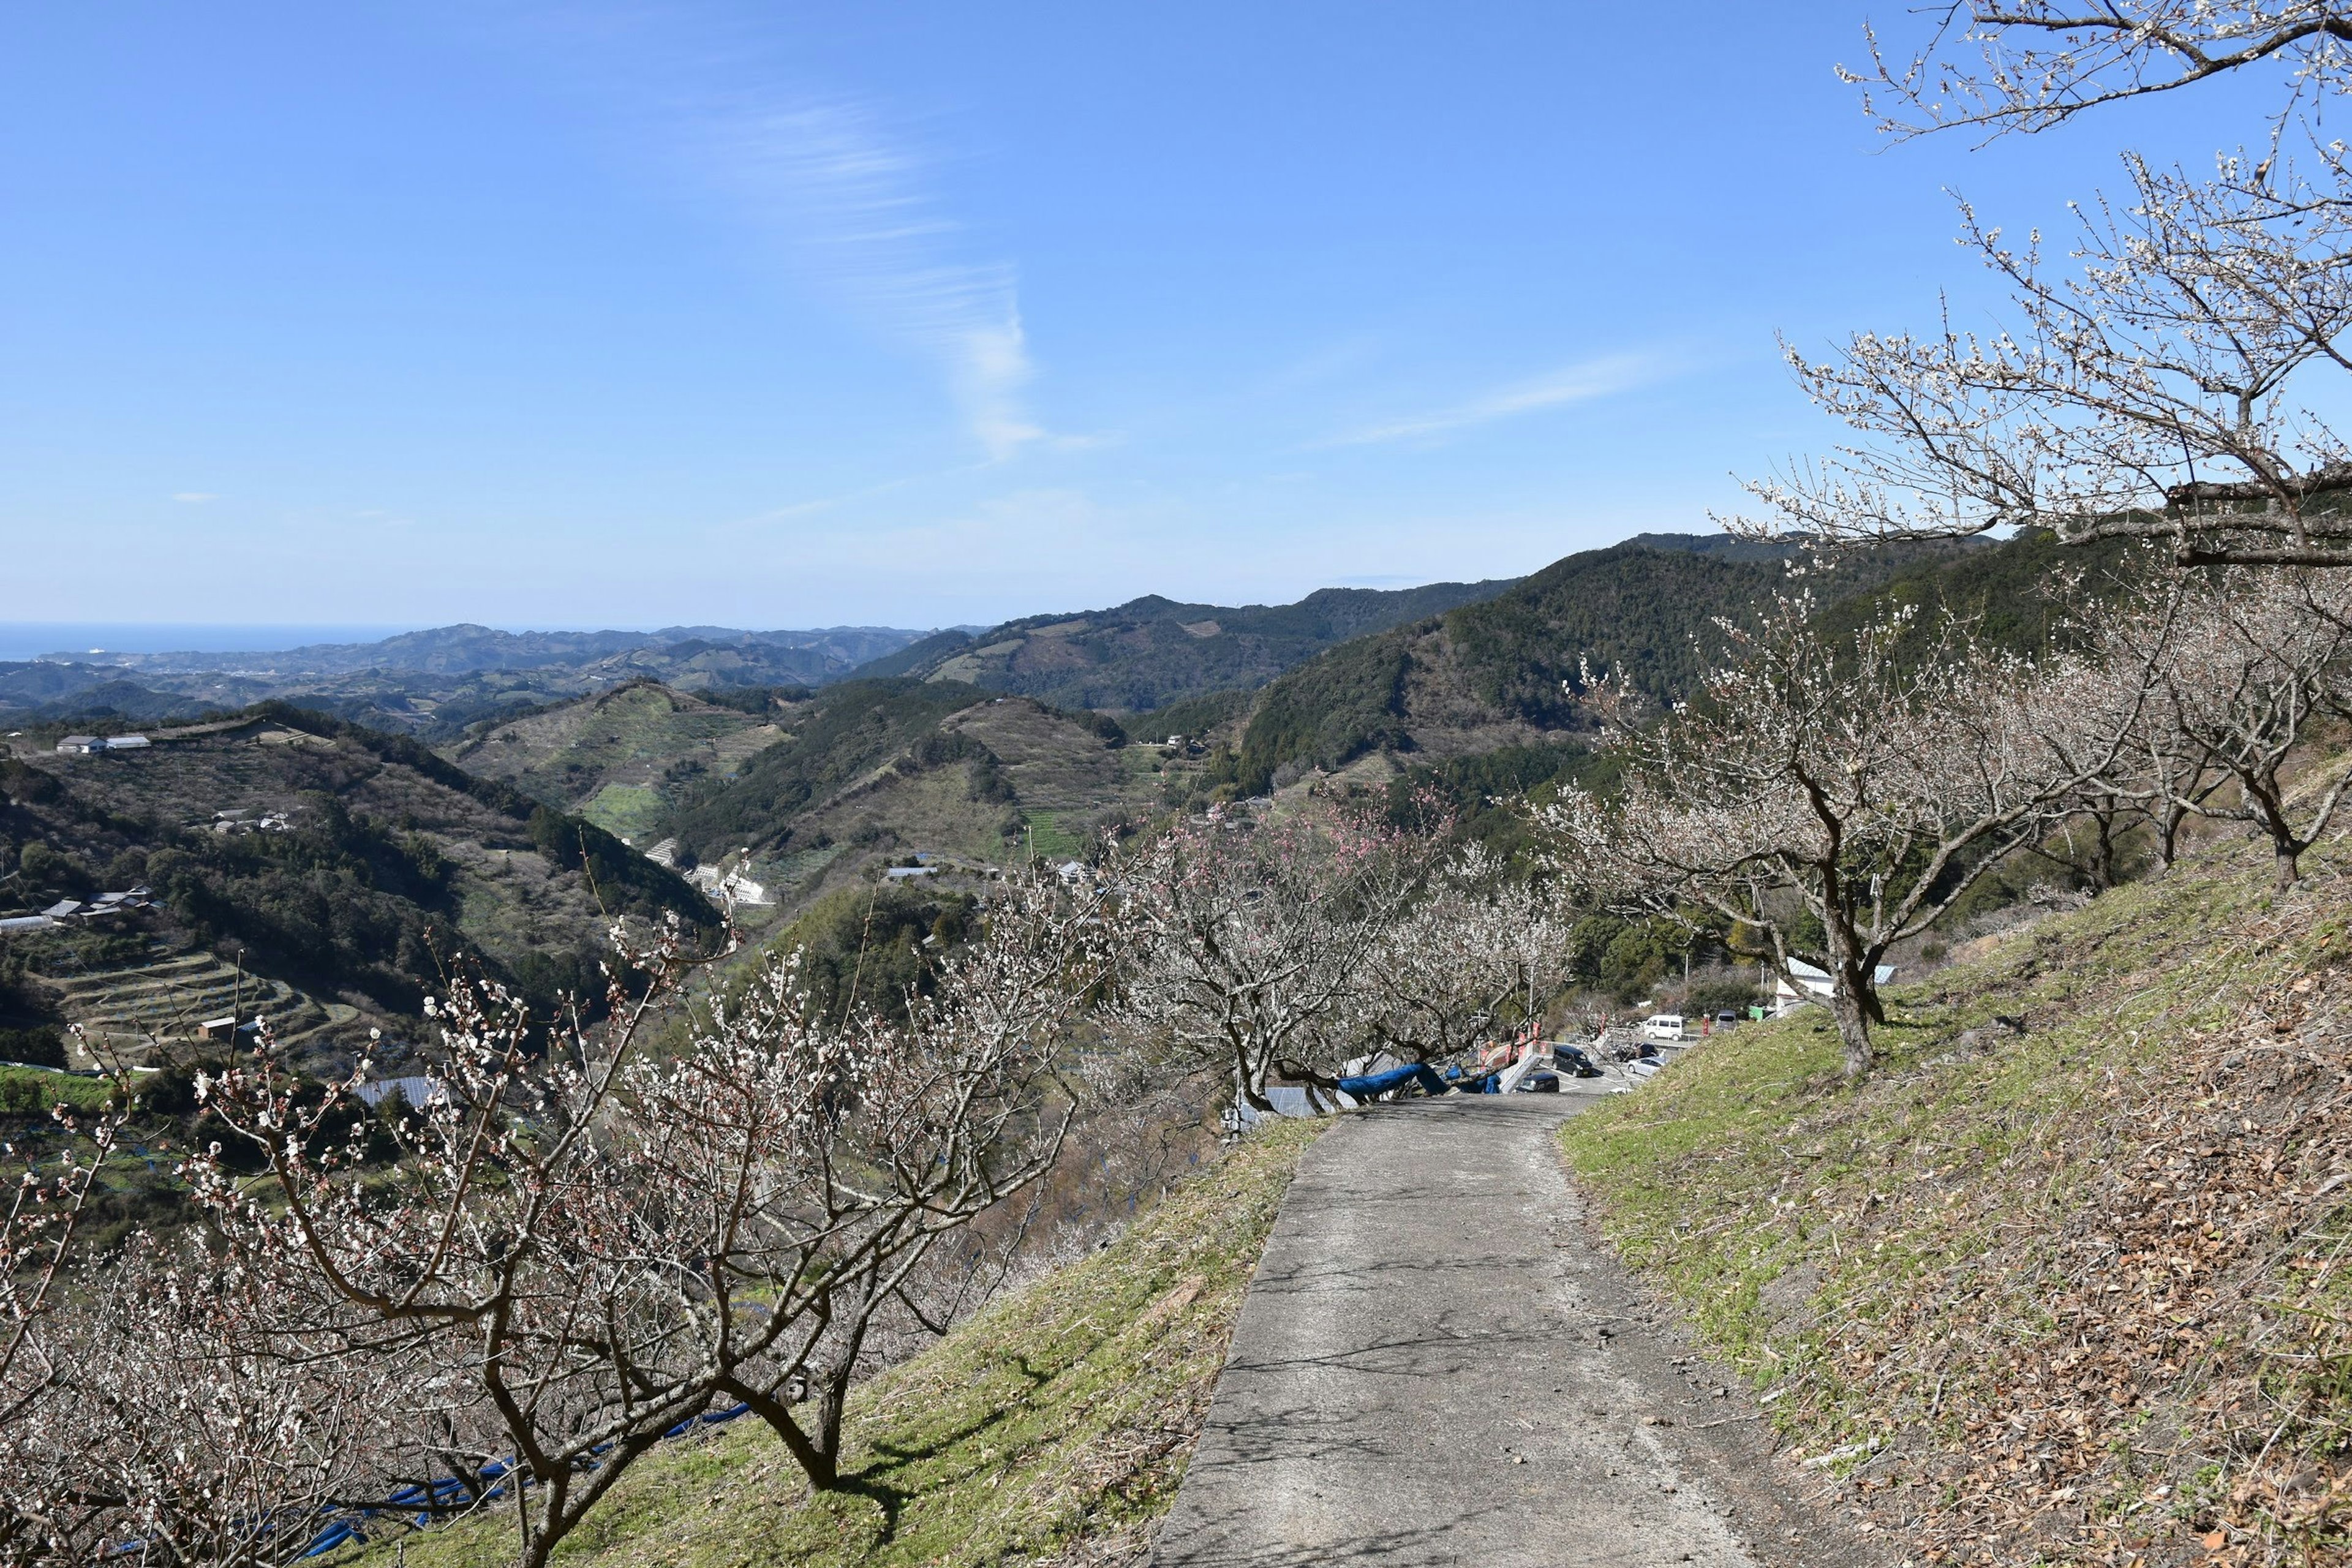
x=1571 y=1059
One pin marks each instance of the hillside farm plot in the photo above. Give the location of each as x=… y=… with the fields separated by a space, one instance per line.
x=1053 y=763
x=126 y=1013
x=621 y=760
x=353 y=867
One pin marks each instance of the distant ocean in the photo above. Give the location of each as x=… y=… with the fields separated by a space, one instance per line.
x=31 y=640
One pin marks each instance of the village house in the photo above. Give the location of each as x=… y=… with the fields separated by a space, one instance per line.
x=1815 y=984
x=730 y=886
x=91 y=745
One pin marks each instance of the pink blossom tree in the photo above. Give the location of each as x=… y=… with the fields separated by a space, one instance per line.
x=1253 y=938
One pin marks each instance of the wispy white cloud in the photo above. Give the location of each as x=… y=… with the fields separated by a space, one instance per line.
x=193 y=497
x=856 y=205
x=1579 y=383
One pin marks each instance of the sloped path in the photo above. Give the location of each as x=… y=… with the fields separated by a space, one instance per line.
x=1434 y=1366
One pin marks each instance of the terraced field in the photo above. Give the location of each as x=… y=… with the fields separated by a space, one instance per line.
x=621 y=759
x=128 y=1012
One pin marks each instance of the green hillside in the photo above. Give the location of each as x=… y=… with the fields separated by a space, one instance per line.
x=1490 y=674
x=1055 y=1427
x=2072 y=1293
x=622 y=758
x=1152 y=652
x=1505 y=671
x=846 y=734
x=321 y=855
x=2012 y=591
x=874 y=770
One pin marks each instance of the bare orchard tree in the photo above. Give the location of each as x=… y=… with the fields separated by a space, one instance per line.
x=1479 y=949
x=509 y=1247
x=1999 y=66
x=595 y=1247
x=2157 y=389
x=1830 y=801
x=152 y=1397
x=1253 y=938
x=821 y=1164
x=2159 y=383
x=187 y=1426
x=2248 y=664
x=40 y=1516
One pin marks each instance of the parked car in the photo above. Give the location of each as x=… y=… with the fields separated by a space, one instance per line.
x=1570 y=1059
x=1726 y=1019
x=1663 y=1026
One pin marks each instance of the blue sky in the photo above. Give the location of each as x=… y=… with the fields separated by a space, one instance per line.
x=778 y=314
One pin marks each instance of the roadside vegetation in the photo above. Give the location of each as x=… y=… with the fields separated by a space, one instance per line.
x=2064 y=1280
x=1052 y=1429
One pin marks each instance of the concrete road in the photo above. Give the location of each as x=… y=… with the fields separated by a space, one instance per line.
x=1434 y=1366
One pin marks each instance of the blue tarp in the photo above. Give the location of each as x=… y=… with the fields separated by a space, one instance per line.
x=350 y=1528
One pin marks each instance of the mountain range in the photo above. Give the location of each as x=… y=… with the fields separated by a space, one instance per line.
x=434 y=683
x=465 y=647
x=925 y=751
x=1144 y=654
x=553 y=791
x=1150 y=652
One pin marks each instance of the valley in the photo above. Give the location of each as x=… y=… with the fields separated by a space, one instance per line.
x=338 y=871
x=784 y=793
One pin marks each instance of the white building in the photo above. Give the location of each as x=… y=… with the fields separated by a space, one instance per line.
x=730 y=887
x=1816 y=986
x=82 y=745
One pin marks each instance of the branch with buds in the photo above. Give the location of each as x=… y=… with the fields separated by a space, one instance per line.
x=1254 y=940
x=1825 y=802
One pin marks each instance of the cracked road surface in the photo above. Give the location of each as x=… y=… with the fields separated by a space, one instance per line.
x=1434 y=1366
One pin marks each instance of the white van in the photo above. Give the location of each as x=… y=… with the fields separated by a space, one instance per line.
x=1663 y=1026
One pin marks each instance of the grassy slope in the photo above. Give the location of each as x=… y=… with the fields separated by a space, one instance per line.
x=2080 y=1289
x=850 y=731
x=1055 y=1425
x=611 y=757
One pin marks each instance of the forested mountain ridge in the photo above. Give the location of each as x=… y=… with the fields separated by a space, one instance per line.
x=436 y=683
x=1152 y=652
x=1508 y=670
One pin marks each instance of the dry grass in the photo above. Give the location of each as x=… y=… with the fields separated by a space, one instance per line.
x=2075 y=1295
x=1053 y=1429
